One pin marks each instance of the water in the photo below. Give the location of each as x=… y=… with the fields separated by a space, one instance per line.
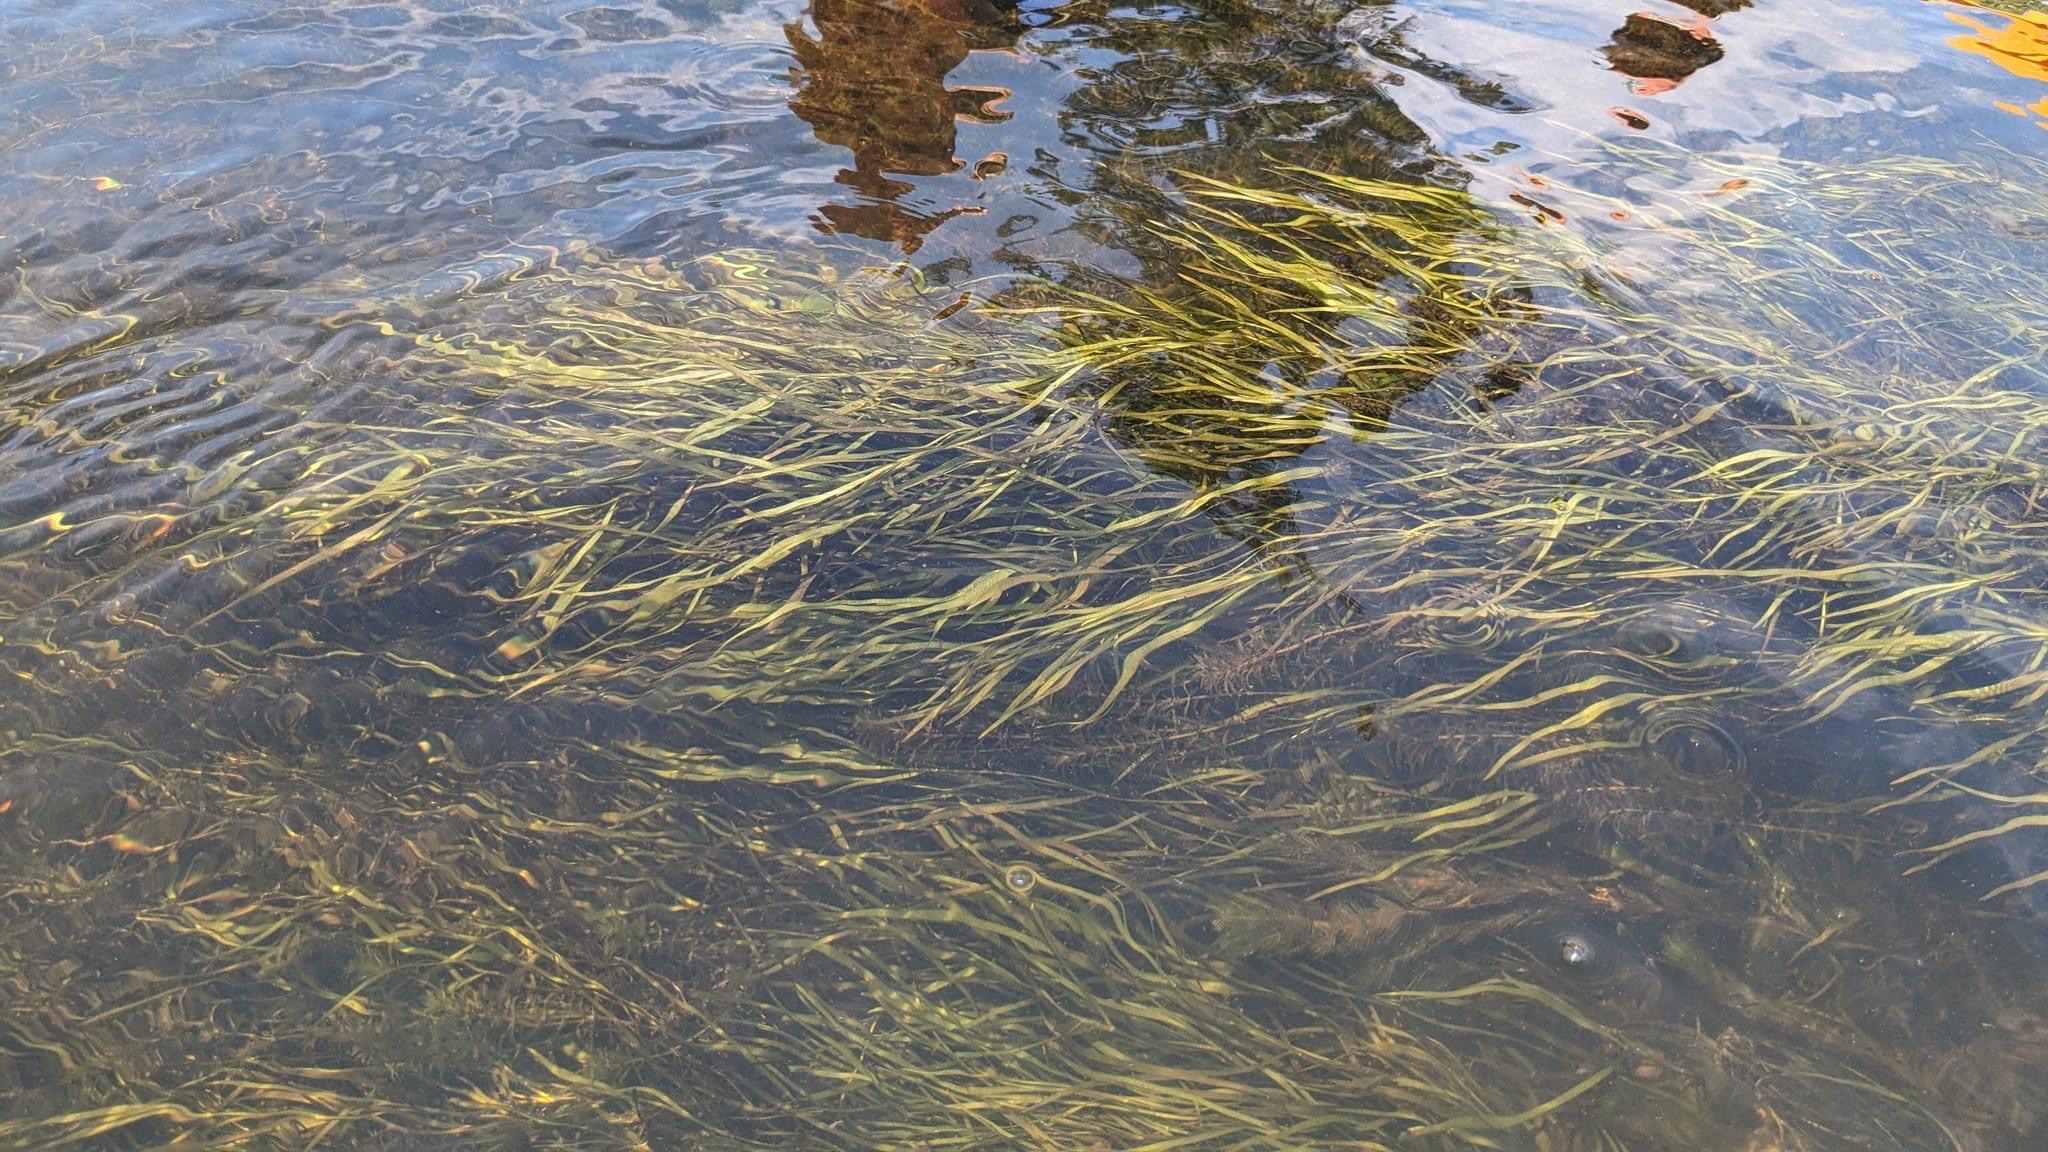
x=734 y=575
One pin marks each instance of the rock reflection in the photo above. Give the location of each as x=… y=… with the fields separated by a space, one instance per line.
x=1658 y=55
x=874 y=81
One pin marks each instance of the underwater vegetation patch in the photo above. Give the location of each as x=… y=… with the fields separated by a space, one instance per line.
x=1393 y=675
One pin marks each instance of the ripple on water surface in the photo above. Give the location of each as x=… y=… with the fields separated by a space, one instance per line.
x=1479 y=583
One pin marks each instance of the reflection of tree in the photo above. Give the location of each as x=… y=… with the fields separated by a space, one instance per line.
x=1254 y=354
x=874 y=81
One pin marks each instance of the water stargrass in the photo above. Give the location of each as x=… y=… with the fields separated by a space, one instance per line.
x=623 y=716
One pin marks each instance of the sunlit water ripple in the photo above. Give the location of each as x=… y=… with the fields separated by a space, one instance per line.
x=732 y=574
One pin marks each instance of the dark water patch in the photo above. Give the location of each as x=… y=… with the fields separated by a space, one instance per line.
x=617 y=25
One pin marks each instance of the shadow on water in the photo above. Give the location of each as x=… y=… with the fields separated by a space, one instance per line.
x=897 y=574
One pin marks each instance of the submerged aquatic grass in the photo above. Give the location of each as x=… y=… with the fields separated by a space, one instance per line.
x=1297 y=623
x=1581 y=440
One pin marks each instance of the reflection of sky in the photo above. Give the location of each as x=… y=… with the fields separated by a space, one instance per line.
x=1813 y=79
x=664 y=126
x=559 y=127
x=1787 y=65
x=378 y=145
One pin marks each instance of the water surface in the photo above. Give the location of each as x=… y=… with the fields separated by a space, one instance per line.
x=935 y=573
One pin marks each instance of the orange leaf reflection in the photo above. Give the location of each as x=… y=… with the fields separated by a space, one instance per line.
x=2021 y=47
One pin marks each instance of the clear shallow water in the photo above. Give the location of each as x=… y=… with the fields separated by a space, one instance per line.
x=557 y=562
